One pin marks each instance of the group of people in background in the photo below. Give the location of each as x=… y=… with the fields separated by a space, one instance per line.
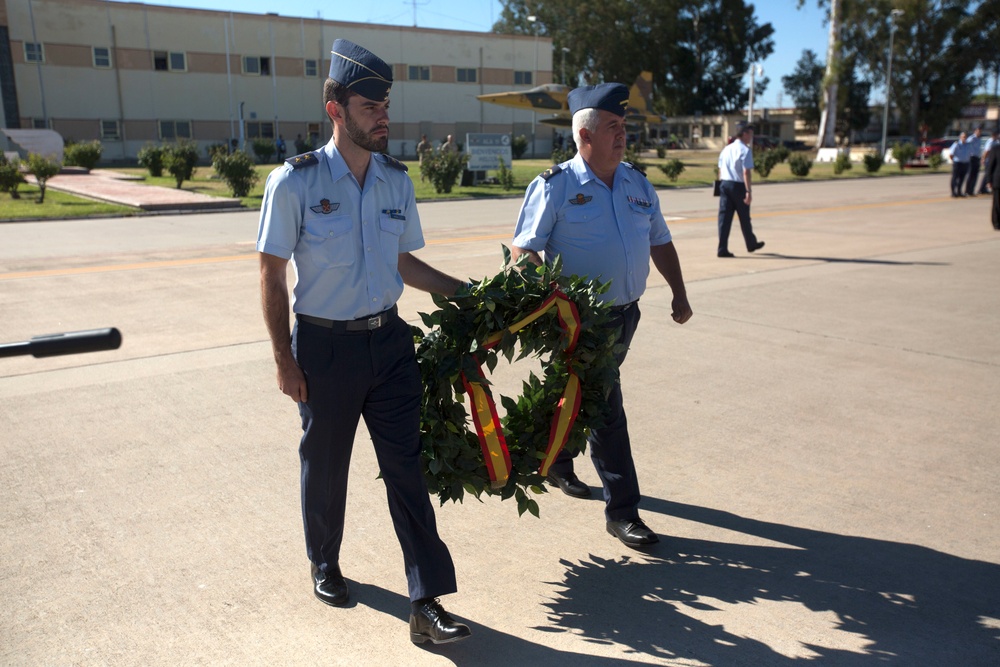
x=966 y=156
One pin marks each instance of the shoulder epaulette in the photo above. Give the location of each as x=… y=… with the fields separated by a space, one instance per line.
x=391 y=161
x=549 y=173
x=632 y=166
x=303 y=160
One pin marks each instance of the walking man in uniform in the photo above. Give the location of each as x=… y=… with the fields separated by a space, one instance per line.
x=735 y=190
x=346 y=216
x=603 y=218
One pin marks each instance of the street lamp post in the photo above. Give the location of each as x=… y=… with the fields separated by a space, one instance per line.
x=565 y=50
x=888 y=77
x=534 y=77
x=754 y=68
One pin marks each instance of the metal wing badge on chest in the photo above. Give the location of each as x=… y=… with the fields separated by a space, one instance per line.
x=325 y=207
x=580 y=198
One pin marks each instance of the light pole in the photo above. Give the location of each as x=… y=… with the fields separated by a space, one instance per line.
x=888 y=77
x=565 y=50
x=754 y=68
x=534 y=77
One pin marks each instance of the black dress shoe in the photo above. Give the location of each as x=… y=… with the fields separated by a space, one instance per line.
x=330 y=586
x=432 y=623
x=570 y=484
x=726 y=253
x=632 y=532
x=756 y=246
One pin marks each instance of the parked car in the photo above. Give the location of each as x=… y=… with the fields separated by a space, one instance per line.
x=934 y=147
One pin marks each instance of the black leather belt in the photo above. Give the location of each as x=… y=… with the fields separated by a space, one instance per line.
x=622 y=309
x=363 y=324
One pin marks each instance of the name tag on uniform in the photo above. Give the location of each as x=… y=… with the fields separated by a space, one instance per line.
x=639 y=202
x=394 y=213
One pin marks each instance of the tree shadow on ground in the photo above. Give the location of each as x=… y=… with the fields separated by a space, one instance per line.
x=902 y=604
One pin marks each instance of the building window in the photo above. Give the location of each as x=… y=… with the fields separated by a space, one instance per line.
x=258 y=65
x=33 y=52
x=172 y=61
x=523 y=78
x=465 y=74
x=311 y=68
x=40 y=124
x=102 y=57
x=260 y=129
x=419 y=73
x=110 y=129
x=175 y=129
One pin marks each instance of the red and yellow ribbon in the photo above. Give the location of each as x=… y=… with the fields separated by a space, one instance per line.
x=484 y=411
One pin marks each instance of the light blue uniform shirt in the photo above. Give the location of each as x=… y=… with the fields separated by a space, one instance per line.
x=960 y=151
x=343 y=241
x=733 y=159
x=975 y=145
x=600 y=233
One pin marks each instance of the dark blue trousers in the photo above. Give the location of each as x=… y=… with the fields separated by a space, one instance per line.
x=959 y=170
x=731 y=194
x=970 y=182
x=374 y=375
x=610 y=447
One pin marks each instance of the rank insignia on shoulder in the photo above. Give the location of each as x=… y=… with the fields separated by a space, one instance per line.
x=549 y=173
x=394 y=213
x=639 y=202
x=580 y=199
x=632 y=166
x=391 y=161
x=325 y=207
x=303 y=160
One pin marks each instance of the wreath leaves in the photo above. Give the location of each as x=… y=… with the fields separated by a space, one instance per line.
x=452 y=457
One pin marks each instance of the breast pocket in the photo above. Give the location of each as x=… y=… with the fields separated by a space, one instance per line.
x=329 y=241
x=390 y=229
x=641 y=223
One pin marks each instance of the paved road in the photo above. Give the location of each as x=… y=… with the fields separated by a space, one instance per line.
x=818 y=447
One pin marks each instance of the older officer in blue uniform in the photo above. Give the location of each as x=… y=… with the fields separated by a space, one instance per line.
x=345 y=215
x=603 y=218
x=735 y=190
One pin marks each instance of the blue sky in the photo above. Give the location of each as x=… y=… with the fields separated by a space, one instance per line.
x=795 y=29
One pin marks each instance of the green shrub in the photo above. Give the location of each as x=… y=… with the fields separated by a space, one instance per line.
x=672 y=169
x=781 y=152
x=873 y=162
x=800 y=164
x=216 y=149
x=767 y=161
x=562 y=155
x=42 y=168
x=263 y=148
x=842 y=163
x=237 y=170
x=661 y=151
x=443 y=169
x=10 y=176
x=180 y=160
x=151 y=158
x=518 y=146
x=303 y=145
x=935 y=161
x=903 y=153
x=505 y=175
x=85 y=155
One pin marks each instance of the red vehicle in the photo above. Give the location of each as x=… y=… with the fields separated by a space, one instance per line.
x=934 y=147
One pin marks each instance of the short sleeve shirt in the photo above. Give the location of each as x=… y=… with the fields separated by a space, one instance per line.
x=602 y=233
x=343 y=241
x=733 y=159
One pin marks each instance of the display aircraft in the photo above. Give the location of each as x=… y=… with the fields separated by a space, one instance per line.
x=551 y=98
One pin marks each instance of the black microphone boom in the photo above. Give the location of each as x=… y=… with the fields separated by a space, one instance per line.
x=73 y=342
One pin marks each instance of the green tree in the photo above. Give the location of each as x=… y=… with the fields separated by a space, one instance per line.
x=10 y=176
x=150 y=157
x=42 y=168
x=805 y=86
x=237 y=170
x=180 y=160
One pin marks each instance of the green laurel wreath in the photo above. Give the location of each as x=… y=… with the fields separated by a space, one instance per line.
x=452 y=457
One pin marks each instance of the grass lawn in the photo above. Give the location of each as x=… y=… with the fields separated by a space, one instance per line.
x=57 y=205
x=699 y=171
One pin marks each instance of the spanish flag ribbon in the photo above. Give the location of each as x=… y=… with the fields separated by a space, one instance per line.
x=484 y=409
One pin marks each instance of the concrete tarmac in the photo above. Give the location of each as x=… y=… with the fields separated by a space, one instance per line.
x=817 y=448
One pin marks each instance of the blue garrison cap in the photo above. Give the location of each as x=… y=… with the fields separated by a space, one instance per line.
x=611 y=97
x=360 y=70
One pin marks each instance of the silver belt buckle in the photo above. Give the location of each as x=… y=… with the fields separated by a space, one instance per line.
x=374 y=322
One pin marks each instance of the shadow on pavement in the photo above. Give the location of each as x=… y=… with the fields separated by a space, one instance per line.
x=902 y=604
x=846 y=260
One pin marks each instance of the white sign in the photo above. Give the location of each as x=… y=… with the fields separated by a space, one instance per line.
x=485 y=151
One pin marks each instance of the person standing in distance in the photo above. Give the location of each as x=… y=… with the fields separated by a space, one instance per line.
x=959 y=165
x=735 y=191
x=603 y=218
x=984 y=185
x=346 y=216
x=974 y=147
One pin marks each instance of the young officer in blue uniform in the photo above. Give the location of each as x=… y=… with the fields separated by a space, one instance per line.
x=603 y=218
x=346 y=216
